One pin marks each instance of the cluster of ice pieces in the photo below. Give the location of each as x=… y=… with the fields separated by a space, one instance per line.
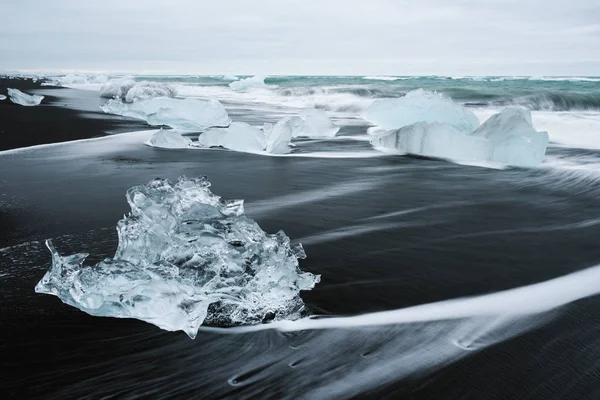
x=79 y=79
x=186 y=114
x=185 y=257
x=247 y=83
x=24 y=99
x=453 y=132
x=128 y=90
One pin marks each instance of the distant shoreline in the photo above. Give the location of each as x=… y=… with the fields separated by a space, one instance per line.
x=53 y=121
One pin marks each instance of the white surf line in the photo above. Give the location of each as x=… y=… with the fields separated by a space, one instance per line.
x=419 y=209
x=96 y=139
x=309 y=196
x=526 y=300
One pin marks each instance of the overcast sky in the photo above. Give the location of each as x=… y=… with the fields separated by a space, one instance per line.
x=339 y=37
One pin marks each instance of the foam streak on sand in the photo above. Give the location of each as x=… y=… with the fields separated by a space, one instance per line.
x=526 y=300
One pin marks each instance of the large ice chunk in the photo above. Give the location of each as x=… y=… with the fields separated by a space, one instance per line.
x=185 y=114
x=116 y=88
x=420 y=106
x=239 y=137
x=24 y=99
x=516 y=142
x=434 y=140
x=247 y=83
x=168 y=139
x=506 y=138
x=146 y=90
x=185 y=257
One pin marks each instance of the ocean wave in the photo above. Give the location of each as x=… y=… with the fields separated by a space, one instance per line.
x=385 y=78
x=548 y=102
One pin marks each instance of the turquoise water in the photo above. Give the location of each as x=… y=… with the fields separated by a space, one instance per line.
x=543 y=93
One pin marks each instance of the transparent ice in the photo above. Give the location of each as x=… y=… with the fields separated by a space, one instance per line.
x=185 y=257
x=185 y=114
x=24 y=99
x=420 y=106
x=169 y=139
x=240 y=136
x=247 y=83
x=507 y=138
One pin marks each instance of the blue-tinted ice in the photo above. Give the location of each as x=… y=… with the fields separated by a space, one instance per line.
x=185 y=257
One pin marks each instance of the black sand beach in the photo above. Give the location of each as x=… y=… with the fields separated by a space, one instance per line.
x=57 y=119
x=384 y=233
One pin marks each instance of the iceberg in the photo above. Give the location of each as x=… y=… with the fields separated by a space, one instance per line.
x=146 y=90
x=185 y=257
x=186 y=114
x=24 y=99
x=168 y=139
x=507 y=138
x=2 y=97
x=116 y=88
x=420 y=106
x=516 y=142
x=245 y=84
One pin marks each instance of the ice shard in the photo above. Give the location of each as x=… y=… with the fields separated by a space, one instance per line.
x=278 y=137
x=185 y=257
x=169 y=139
x=420 y=106
x=185 y=114
x=516 y=142
x=24 y=99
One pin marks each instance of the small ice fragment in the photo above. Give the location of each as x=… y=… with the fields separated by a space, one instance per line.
x=2 y=97
x=245 y=84
x=169 y=139
x=24 y=99
x=185 y=257
x=420 y=106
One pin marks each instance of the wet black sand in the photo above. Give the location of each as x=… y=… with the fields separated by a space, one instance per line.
x=56 y=119
x=475 y=231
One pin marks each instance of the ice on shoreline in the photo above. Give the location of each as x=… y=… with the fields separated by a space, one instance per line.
x=186 y=114
x=2 y=97
x=185 y=257
x=24 y=99
x=130 y=91
x=168 y=139
x=420 y=106
x=247 y=83
x=507 y=138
